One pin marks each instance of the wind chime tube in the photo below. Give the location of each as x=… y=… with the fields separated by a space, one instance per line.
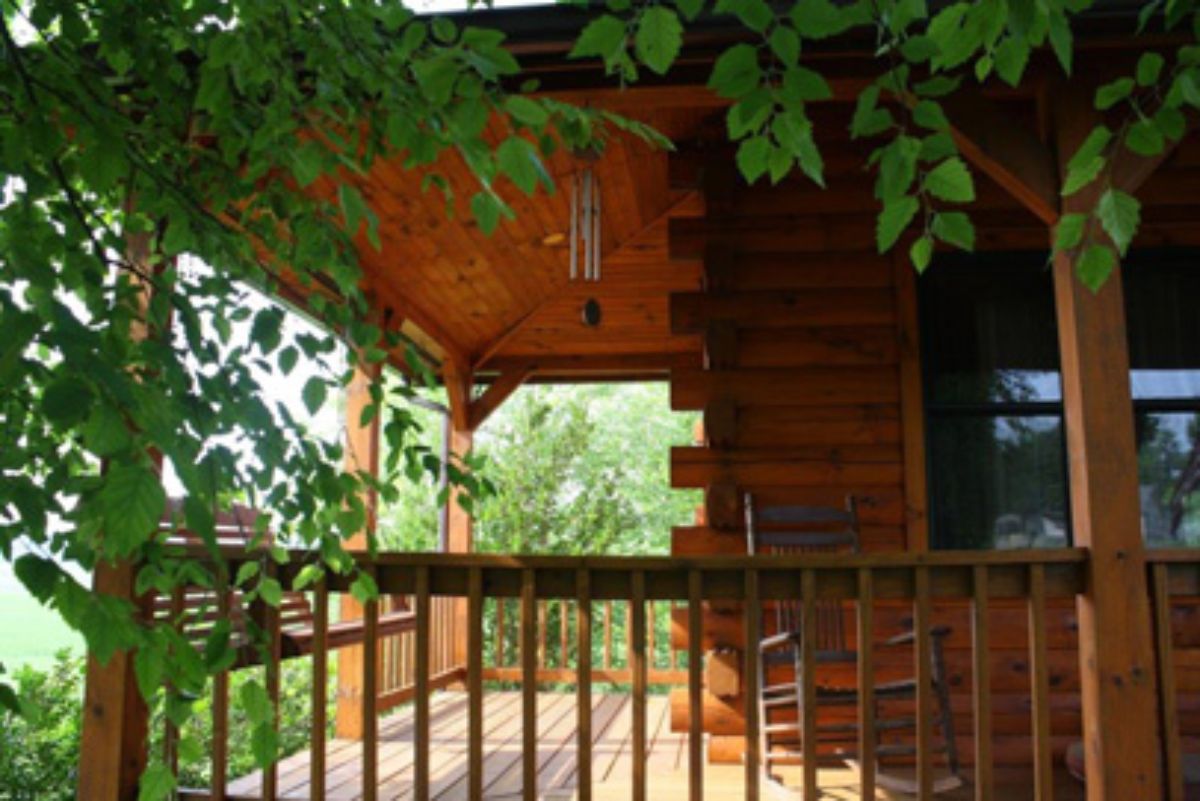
x=587 y=225
x=574 y=227
x=596 y=231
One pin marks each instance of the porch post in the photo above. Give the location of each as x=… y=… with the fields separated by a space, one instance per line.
x=1116 y=655
x=460 y=430
x=113 y=748
x=362 y=453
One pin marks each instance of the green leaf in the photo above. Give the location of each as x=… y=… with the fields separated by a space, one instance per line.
x=313 y=394
x=255 y=702
x=157 y=783
x=897 y=168
x=893 y=219
x=754 y=14
x=785 y=44
x=1095 y=266
x=1088 y=160
x=1119 y=214
x=1011 y=58
x=1061 y=40
x=67 y=401
x=246 y=571
x=1144 y=138
x=488 y=209
x=603 y=37
x=106 y=433
x=801 y=85
x=1149 y=68
x=40 y=576
x=363 y=588
x=271 y=591
x=354 y=208
x=736 y=72
x=1112 y=93
x=308 y=164
x=820 y=19
x=951 y=181
x=264 y=744
x=658 y=39
x=1069 y=231
x=690 y=8
x=526 y=111
x=868 y=118
x=133 y=501
x=518 y=159
x=752 y=156
x=954 y=228
x=921 y=252
x=929 y=114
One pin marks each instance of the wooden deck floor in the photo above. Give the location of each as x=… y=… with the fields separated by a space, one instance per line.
x=611 y=757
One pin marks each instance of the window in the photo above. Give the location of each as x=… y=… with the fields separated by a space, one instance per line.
x=1162 y=295
x=994 y=403
x=997 y=456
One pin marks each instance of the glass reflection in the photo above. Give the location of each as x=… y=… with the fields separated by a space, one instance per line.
x=1169 y=477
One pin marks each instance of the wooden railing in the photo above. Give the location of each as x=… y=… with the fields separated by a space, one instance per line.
x=397 y=661
x=558 y=643
x=1175 y=589
x=581 y=589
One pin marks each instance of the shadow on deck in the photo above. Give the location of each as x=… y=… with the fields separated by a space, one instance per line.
x=612 y=759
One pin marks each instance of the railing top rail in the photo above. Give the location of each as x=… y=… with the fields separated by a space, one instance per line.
x=1173 y=555
x=893 y=574
x=818 y=561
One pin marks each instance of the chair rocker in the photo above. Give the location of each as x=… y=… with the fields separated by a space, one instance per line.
x=793 y=530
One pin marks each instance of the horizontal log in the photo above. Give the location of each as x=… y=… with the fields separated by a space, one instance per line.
x=816 y=347
x=690 y=312
x=805 y=386
x=773 y=272
x=767 y=426
x=845 y=468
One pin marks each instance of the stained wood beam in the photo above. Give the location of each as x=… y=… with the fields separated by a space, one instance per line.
x=1006 y=151
x=1117 y=677
x=458 y=380
x=362 y=454
x=506 y=384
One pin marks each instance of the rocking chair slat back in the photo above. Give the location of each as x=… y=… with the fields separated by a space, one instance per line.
x=795 y=530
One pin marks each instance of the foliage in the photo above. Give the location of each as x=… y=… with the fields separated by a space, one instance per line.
x=39 y=750
x=134 y=133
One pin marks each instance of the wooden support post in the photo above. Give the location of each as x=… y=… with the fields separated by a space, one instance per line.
x=116 y=723
x=362 y=453
x=1115 y=643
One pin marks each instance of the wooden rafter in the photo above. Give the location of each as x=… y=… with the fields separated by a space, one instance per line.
x=505 y=385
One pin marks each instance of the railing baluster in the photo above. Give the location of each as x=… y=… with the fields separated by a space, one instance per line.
x=475 y=682
x=695 y=688
x=583 y=683
x=982 y=676
x=752 y=677
x=370 y=700
x=1040 y=685
x=529 y=684
x=637 y=634
x=220 y=708
x=500 y=633
x=672 y=654
x=543 y=620
x=866 y=682
x=271 y=618
x=1166 y=681
x=924 y=669
x=651 y=625
x=808 y=683
x=421 y=687
x=608 y=627
x=564 y=635
x=170 y=743
x=320 y=673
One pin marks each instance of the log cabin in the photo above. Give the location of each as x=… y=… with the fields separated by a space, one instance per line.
x=1021 y=451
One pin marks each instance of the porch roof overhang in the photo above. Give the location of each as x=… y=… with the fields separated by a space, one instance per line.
x=504 y=304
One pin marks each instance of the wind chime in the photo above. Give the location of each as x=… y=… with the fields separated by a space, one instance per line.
x=585 y=226
x=585 y=237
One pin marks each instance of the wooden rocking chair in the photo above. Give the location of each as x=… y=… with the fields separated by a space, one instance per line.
x=808 y=530
x=199 y=609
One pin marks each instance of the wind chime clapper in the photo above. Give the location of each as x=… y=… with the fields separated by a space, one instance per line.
x=585 y=226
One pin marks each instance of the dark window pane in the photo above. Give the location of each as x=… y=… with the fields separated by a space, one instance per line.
x=1169 y=474
x=998 y=482
x=989 y=331
x=1162 y=309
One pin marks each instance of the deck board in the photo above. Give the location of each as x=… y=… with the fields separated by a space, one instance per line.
x=556 y=756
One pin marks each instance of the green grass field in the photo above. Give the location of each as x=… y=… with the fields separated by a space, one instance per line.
x=30 y=634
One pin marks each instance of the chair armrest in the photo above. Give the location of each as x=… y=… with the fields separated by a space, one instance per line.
x=778 y=640
x=907 y=637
